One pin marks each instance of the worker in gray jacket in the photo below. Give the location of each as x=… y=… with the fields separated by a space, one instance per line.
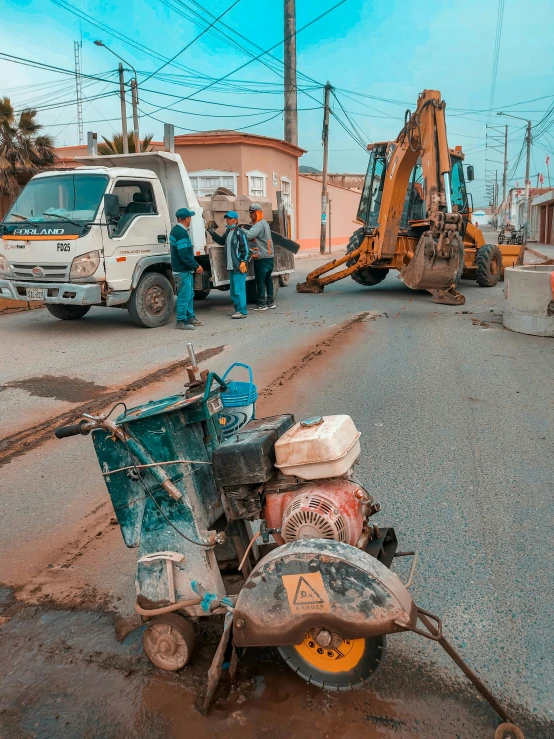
x=259 y=239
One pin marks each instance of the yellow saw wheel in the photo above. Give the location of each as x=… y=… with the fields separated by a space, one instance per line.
x=327 y=660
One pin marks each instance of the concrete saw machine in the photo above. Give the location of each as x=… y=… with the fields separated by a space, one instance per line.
x=267 y=529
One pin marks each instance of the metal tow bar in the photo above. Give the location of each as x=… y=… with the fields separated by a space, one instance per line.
x=433 y=625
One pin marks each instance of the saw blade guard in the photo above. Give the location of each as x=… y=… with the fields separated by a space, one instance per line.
x=320 y=583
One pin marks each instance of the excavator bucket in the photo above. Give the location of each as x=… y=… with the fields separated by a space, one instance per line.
x=428 y=269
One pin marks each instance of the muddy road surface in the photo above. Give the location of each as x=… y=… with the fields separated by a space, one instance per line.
x=456 y=441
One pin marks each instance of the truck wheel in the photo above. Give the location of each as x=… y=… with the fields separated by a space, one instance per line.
x=284 y=279
x=67 y=312
x=151 y=302
x=488 y=263
x=201 y=294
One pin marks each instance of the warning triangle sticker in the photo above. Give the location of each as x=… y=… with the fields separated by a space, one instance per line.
x=305 y=594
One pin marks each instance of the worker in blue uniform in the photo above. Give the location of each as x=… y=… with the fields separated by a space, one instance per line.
x=183 y=266
x=237 y=253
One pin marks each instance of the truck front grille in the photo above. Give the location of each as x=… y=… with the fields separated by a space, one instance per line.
x=50 y=271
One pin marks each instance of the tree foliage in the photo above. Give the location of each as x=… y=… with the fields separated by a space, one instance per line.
x=115 y=144
x=23 y=149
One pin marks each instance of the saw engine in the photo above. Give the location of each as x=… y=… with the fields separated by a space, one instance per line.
x=298 y=479
x=324 y=509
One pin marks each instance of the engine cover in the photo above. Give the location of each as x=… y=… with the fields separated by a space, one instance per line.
x=325 y=509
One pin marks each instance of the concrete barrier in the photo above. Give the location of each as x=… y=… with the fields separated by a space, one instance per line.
x=529 y=299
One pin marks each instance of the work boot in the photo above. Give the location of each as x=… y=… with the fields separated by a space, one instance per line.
x=238 y=315
x=184 y=326
x=195 y=322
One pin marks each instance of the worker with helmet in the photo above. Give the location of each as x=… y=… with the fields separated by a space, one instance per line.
x=259 y=236
x=237 y=255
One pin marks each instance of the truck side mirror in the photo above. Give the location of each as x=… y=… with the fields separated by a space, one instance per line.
x=111 y=207
x=470 y=172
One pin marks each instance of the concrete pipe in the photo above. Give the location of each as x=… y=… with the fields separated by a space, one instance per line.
x=529 y=299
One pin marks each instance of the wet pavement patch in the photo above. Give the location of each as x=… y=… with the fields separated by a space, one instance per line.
x=70 y=389
x=65 y=675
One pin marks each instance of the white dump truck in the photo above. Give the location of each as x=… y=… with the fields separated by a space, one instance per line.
x=99 y=235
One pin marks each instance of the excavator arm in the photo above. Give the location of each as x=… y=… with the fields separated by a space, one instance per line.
x=431 y=259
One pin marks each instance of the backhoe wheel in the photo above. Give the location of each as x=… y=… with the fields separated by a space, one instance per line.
x=488 y=263
x=168 y=641
x=370 y=275
x=332 y=663
x=67 y=312
x=151 y=302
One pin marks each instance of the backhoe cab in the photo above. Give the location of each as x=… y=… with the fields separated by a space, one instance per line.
x=414 y=212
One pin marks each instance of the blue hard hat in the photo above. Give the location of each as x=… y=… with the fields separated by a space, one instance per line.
x=231 y=214
x=183 y=213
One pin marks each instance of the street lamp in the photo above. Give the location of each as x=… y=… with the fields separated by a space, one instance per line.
x=134 y=99
x=527 y=169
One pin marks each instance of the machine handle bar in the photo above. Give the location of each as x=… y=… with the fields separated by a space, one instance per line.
x=211 y=377
x=83 y=428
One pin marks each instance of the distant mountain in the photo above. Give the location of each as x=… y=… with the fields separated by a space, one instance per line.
x=304 y=169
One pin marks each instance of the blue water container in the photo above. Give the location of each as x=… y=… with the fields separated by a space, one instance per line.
x=239 y=401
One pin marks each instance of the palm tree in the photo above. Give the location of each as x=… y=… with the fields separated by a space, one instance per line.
x=23 y=150
x=115 y=144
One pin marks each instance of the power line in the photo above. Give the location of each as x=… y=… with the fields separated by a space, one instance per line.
x=263 y=53
x=496 y=55
x=187 y=46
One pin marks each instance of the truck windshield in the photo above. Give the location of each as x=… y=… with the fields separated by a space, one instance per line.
x=74 y=196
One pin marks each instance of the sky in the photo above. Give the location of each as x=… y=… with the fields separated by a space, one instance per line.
x=377 y=55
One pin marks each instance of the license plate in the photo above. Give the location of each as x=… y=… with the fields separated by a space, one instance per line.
x=35 y=293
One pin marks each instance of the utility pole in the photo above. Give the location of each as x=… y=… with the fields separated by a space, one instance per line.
x=325 y=161
x=291 y=103
x=496 y=198
x=134 y=99
x=123 y=110
x=527 y=183
x=505 y=174
x=77 y=46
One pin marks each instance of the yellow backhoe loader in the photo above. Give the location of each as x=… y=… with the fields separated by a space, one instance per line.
x=415 y=215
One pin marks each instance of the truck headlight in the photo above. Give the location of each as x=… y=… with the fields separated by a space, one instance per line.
x=85 y=265
x=4 y=266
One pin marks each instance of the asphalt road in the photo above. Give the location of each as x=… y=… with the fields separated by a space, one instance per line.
x=457 y=444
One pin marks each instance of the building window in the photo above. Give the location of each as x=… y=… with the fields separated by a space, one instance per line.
x=256 y=184
x=286 y=190
x=207 y=181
